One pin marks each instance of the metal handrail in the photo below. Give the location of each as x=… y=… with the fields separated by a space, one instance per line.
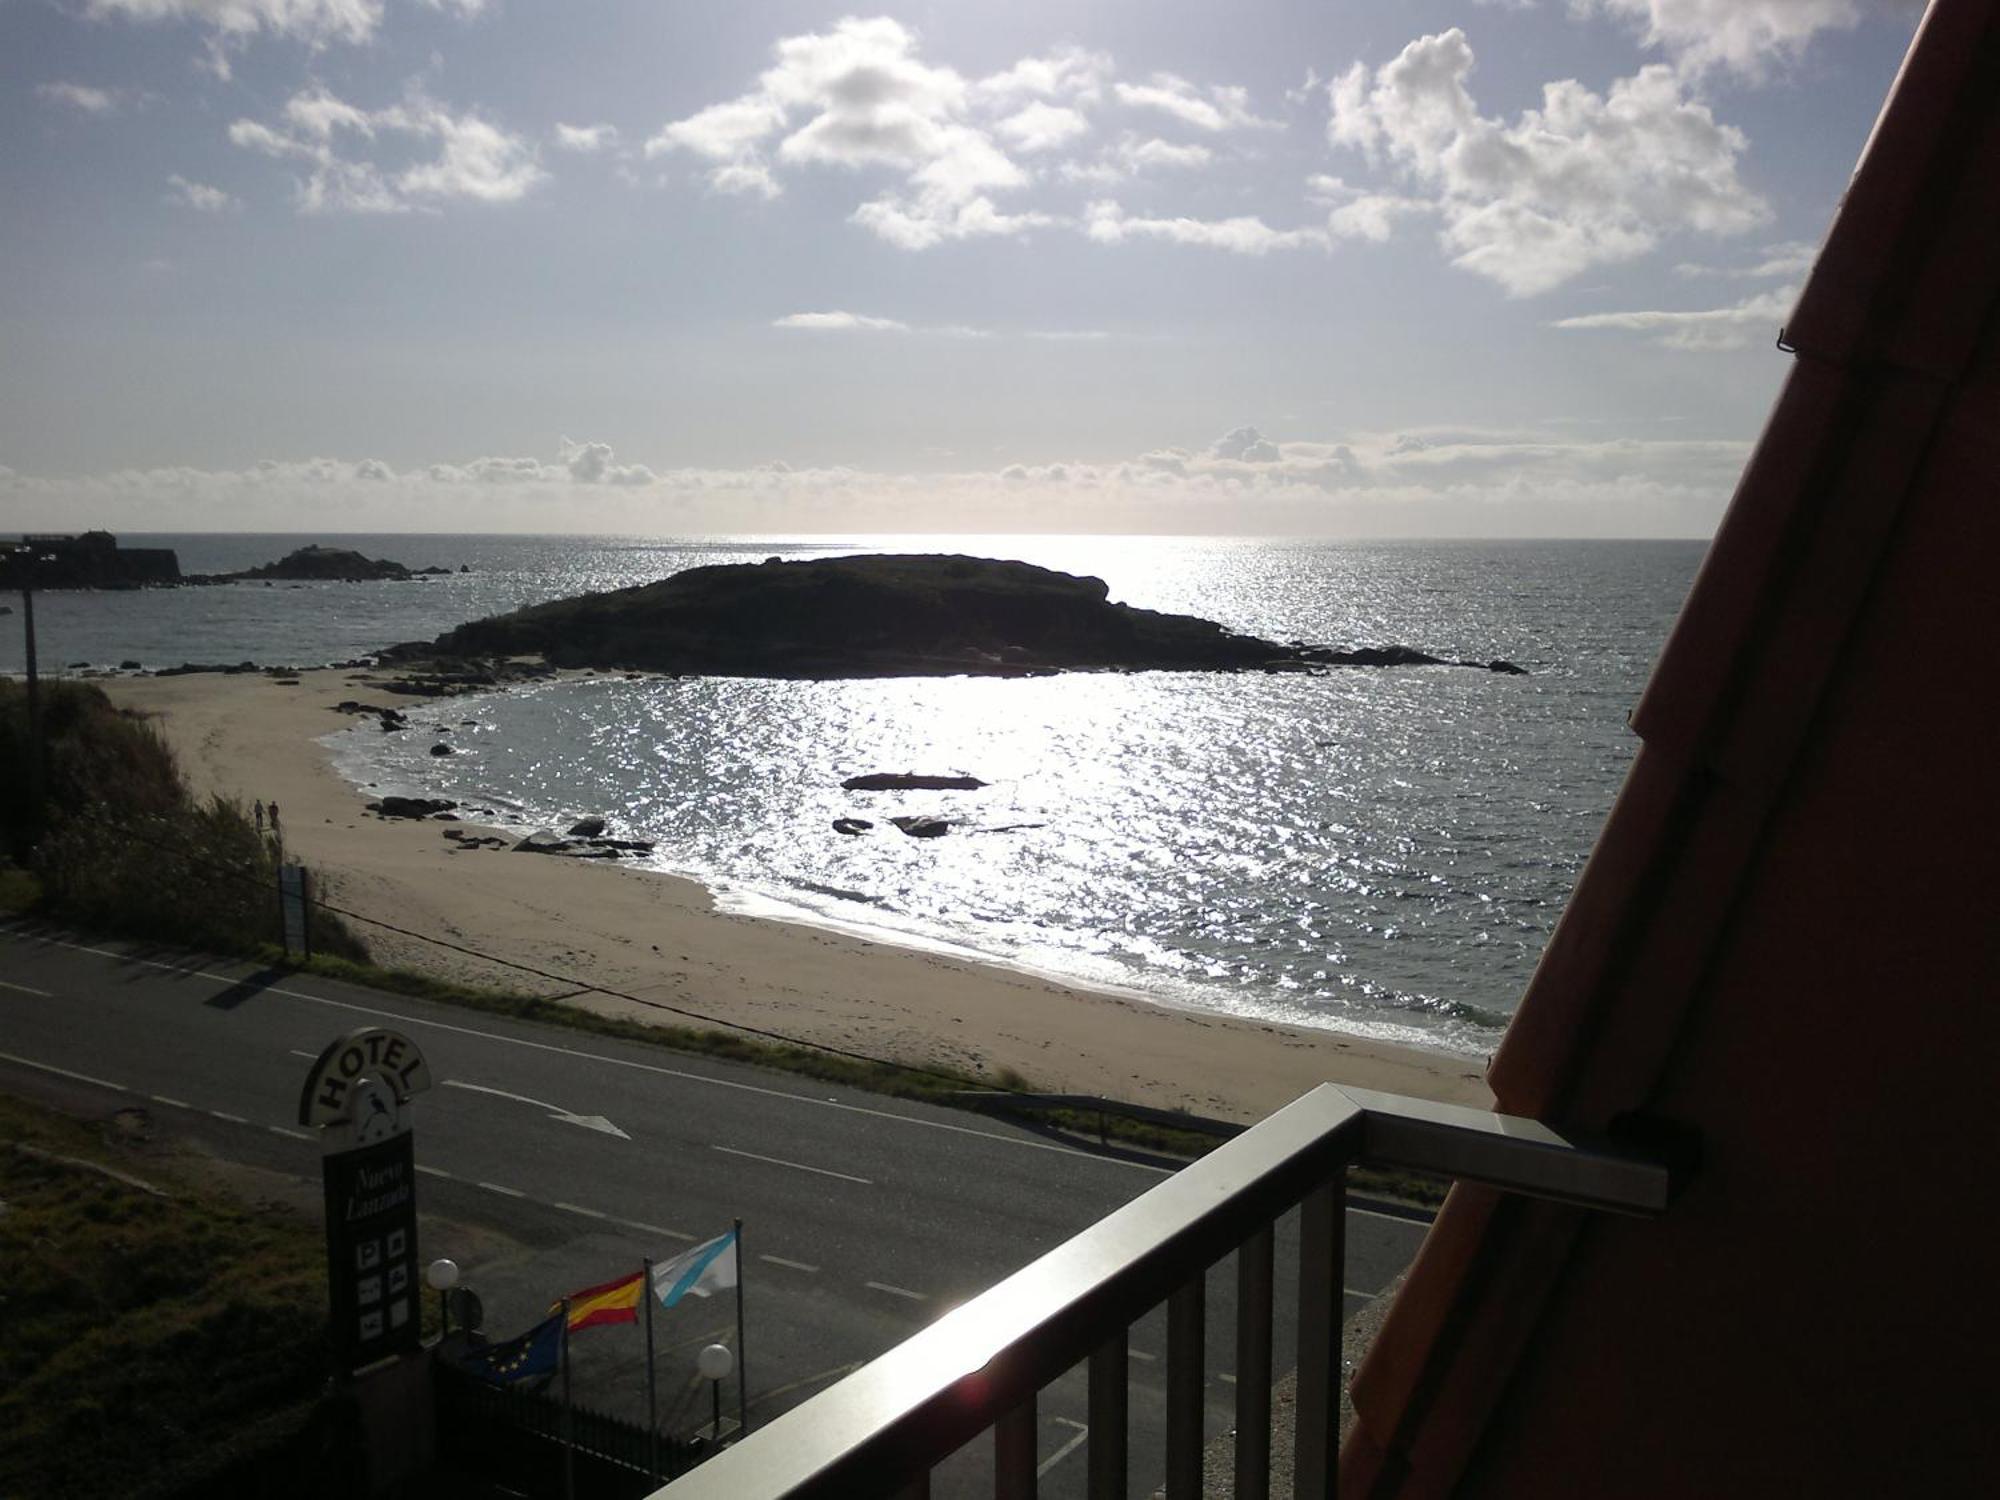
x=980 y=1366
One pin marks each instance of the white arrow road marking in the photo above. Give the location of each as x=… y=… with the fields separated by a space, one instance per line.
x=588 y=1122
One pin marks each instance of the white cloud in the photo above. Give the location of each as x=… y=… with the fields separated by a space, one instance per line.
x=1792 y=258
x=198 y=195
x=471 y=157
x=1708 y=329
x=1108 y=224
x=1356 y=214
x=1042 y=127
x=586 y=139
x=1440 y=482
x=839 y=322
x=1743 y=35
x=81 y=97
x=1585 y=180
x=1245 y=445
x=1217 y=108
x=856 y=98
x=303 y=20
x=1068 y=73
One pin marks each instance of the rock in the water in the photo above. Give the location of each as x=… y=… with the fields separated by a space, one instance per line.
x=411 y=807
x=442 y=749
x=910 y=781
x=851 y=825
x=587 y=828
x=1506 y=667
x=919 y=827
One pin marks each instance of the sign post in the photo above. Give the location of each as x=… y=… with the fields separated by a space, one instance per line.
x=293 y=896
x=357 y=1095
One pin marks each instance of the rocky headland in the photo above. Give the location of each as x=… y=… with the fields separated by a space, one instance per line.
x=880 y=616
x=317 y=564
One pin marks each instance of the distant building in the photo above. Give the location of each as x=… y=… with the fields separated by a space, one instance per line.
x=93 y=560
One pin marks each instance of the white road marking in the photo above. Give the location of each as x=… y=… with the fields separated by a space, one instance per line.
x=437 y=1172
x=505 y=1192
x=170 y=1103
x=895 y=1291
x=25 y=989
x=232 y=1119
x=790 y=1265
x=616 y=1062
x=1227 y=1379
x=577 y=1208
x=26 y=1062
x=297 y=1135
x=555 y=1112
x=653 y=1229
x=838 y=1372
x=796 y=1166
x=1141 y=1354
x=308 y=1056
x=1066 y=1449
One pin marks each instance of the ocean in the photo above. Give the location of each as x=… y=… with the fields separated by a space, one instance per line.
x=1378 y=851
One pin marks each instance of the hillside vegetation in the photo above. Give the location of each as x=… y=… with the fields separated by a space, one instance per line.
x=119 y=844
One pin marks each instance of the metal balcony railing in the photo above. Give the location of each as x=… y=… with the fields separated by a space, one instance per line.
x=884 y=1428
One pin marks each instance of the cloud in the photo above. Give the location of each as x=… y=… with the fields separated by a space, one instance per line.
x=1068 y=73
x=1108 y=224
x=80 y=97
x=1746 y=36
x=1791 y=258
x=859 y=98
x=1245 y=445
x=1215 y=109
x=839 y=322
x=198 y=195
x=1710 y=329
x=1441 y=481
x=1040 y=127
x=471 y=158
x=1356 y=214
x=586 y=139
x=230 y=25
x=1583 y=181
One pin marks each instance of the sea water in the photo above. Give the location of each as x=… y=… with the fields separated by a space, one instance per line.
x=1381 y=851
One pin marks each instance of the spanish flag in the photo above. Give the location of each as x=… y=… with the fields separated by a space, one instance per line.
x=614 y=1302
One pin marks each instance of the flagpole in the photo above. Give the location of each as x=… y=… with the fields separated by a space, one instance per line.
x=742 y=1366
x=569 y=1420
x=652 y=1385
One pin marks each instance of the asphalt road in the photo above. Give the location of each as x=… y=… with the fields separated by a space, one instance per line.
x=864 y=1217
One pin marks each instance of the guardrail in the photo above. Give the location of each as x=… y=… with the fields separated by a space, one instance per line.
x=884 y=1428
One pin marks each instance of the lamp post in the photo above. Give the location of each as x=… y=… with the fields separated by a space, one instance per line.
x=715 y=1362
x=441 y=1276
x=25 y=558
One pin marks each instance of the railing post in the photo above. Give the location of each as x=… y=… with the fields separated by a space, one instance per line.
x=1253 y=1366
x=1107 y=1442
x=1322 y=1276
x=1014 y=1453
x=1186 y=1311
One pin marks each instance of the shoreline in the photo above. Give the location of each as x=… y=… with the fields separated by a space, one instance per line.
x=663 y=938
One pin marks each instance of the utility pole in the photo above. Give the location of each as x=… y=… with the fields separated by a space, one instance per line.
x=34 y=701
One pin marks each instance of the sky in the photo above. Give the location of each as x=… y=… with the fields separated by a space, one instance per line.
x=1378 y=268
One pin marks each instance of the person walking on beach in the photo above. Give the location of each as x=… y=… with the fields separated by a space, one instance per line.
x=259 y=807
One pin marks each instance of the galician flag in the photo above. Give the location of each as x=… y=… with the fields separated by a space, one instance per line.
x=613 y=1302
x=701 y=1271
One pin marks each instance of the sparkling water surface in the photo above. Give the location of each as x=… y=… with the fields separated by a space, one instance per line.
x=1382 y=851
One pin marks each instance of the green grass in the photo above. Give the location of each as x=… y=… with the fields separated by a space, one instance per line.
x=148 y=1346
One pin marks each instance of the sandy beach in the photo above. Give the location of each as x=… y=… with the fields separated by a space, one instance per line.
x=662 y=939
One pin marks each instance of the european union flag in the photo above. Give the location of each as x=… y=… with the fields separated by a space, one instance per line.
x=526 y=1358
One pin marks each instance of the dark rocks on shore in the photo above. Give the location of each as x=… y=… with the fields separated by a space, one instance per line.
x=851 y=826
x=546 y=841
x=412 y=807
x=919 y=826
x=910 y=781
x=587 y=828
x=874 y=616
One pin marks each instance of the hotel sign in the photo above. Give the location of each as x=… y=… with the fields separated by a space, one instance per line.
x=357 y=1094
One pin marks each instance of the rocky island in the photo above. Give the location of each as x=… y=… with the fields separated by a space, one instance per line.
x=878 y=616
x=317 y=564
